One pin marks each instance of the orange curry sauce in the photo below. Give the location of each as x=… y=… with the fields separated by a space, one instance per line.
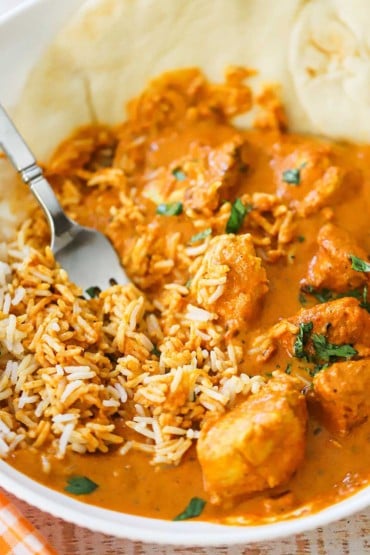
x=335 y=465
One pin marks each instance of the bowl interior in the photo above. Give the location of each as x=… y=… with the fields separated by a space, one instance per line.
x=23 y=39
x=161 y=531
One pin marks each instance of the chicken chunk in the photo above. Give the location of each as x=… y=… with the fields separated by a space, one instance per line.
x=342 y=394
x=307 y=164
x=342 y=321
x=231 y=280
x=331 y=268
x=319 y=172
x=257 y=445
x=202 y=178
x=211 y=172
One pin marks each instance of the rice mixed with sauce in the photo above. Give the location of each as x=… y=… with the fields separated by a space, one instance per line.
x=152 y=352
x=240 y=349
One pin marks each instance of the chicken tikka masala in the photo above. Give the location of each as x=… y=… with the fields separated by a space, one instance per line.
x=229 y=381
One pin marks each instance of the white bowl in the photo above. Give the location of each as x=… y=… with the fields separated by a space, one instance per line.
x=24 y=33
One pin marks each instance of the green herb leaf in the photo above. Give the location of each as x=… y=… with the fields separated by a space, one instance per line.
x=155 y=351
x=305 y=329
x=237 y=215
x=288 y=369
x=356 y=294
x=364 y=302
x=93 y=291
x=327 y=351
x=302 y=298
x=364 y=295
x=195 y=508
x=292 y=177
x=171 y=209
x=322 y=352
x=301 y=238
x=179 y=174
x=80 y=485
x=325 y=295
x=201 y=235
x=358 y=264
x=243 y=167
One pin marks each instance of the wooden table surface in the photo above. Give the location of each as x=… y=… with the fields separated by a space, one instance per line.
x=345 y=537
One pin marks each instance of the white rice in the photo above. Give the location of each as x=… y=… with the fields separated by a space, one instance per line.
x=199 y=314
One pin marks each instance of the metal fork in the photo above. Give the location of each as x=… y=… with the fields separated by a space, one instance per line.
x=86 y=254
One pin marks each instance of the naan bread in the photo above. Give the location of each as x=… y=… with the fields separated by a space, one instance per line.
x=329 y=61
x=317 y=51
x=111 y=48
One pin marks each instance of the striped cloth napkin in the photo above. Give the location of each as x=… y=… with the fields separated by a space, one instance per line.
x=17 y=535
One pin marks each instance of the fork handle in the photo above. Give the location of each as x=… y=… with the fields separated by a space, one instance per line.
x=45 y=195
x=23 y=160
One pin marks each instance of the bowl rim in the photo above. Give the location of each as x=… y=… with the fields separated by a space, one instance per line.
x=145 y=529
x=139 y=528
x=16 y=10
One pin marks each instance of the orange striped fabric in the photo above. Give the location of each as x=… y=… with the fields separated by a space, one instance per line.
x=17 y=535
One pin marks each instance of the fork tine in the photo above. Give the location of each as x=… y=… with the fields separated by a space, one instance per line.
x=90 y=260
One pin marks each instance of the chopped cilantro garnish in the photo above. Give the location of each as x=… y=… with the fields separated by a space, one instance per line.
x=301 y=238
x=194 y=508
x=179 y=174
x=305 y=329
x=358 y=264
x=321 y=352
x=364 y=302
x=325 y=351
x=302 y=298
x=201 y=235
x=288 y=369
x=325 y=295
x=243 y=167
x=80 y=485
x=237 y=215
x=292 y=177
x=93 y=291
x=171 y=209
x=155 y=351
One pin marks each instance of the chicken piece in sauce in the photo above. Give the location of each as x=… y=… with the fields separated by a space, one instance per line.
x=322 y=179
x=257 y=445
x=212 y=172
x=341 y=393
x=202 y=178
x=342 y=321
x=330 y=268
x=240 y=296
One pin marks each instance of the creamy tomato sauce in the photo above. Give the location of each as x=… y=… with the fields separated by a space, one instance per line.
x=332 y=470
x=335 y=464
